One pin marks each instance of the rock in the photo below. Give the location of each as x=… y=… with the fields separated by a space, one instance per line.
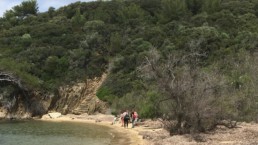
x=146 y=137
x=26 y=116
x=46 y=116
x=80 y=98
x=2 y=114
x=55 y=115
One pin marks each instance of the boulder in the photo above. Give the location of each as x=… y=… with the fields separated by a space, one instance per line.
x=46 y=116
x=2 y=114
x=55 y=115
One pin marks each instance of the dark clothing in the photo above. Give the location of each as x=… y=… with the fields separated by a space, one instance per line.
x=126 y=119
x=126 y=122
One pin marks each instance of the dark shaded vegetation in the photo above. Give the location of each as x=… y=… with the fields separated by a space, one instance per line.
x=193 y=61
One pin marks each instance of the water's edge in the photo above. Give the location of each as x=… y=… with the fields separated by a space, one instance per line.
x=41 y=131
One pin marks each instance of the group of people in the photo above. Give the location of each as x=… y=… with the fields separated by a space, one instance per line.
x=127 y=117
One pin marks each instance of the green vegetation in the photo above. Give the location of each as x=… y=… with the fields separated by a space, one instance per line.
x=193 y=61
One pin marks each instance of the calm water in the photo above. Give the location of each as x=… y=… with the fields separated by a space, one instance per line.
x=55 y=133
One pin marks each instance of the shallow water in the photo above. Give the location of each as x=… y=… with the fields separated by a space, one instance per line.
x=55 y=133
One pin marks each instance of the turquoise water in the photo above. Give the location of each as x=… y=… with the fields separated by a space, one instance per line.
x=55 y=133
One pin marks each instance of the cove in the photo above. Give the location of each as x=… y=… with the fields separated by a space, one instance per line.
x=56 y=133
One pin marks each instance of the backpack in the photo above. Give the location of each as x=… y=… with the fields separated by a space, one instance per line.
x=127 y=117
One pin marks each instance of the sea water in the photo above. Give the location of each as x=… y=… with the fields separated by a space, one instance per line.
x=55 y=133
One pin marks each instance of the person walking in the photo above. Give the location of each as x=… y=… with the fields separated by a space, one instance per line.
x=135 y=118
x=122 y=119
x=126 y=119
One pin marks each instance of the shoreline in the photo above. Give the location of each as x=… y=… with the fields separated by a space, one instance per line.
x=151 y=132
x=132 y=135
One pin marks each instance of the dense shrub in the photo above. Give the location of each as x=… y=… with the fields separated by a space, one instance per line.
x=84 y=40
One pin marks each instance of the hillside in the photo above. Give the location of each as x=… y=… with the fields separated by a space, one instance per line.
x=193 y=61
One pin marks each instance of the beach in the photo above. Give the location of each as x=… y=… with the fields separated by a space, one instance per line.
x=128 y=136
x=151 y=132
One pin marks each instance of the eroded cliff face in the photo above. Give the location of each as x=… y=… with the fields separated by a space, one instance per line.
x=76 y=99
x=25 y=105
x=79 y=98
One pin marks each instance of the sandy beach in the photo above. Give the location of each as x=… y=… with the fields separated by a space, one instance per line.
x=151 y=132
x=128 y=136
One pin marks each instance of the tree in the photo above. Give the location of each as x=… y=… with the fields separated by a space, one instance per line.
x=78 y=20
x=173 y=9
x=51 y=11
x=131 y=15
x=9 y=14
x=237 y=7
x=211 y=6
x=189 y=93
x=195 y=6
x=115 y=44
x=241 y=69
x=152 y=6
x=25 y=8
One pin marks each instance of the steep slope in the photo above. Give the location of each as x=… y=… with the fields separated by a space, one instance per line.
x=80 y=98
x=77 y=99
